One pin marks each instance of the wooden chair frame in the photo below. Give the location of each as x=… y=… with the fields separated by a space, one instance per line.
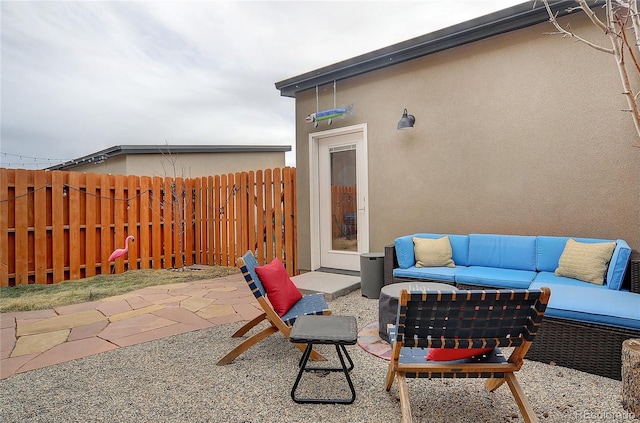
x=309 y=304
x=466 y=319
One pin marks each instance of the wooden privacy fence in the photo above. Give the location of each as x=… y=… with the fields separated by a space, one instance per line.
x=57 y=226
x=343 y=211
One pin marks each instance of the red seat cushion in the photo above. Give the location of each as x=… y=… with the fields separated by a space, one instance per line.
x=450 y=354
x=281 y=291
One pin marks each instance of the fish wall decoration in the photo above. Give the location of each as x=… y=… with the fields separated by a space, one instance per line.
x=327 y=115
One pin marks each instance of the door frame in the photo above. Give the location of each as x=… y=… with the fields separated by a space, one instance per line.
x=314 y=192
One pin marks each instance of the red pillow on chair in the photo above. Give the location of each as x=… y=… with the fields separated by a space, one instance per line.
x=449 y=354
x=281 y=291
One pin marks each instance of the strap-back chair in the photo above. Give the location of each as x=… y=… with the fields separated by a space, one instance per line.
x=307 y=305
x=460 y=320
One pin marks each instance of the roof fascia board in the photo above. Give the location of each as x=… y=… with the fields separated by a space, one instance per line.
x=506 y=20
x=151 y=149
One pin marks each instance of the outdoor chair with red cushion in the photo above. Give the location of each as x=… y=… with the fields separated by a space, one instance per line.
x=281 y=303
x=469 y=321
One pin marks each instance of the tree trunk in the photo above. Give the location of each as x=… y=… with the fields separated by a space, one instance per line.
x=631 y=376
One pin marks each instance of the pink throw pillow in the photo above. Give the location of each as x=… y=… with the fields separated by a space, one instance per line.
x=281 y=291
x=449 y=354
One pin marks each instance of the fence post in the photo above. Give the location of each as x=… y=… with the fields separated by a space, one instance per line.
x=40 y=214
x=198 y=222
x=131 y=210
x=143 y=233
x=270 y=215
x=91 y=201
x=289 y=221
x=75 y=219
x=189 y=220
x=156 y=223
x=105 y=223
x=260 y=217
x=4 y=227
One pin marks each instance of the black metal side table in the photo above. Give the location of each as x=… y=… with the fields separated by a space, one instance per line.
x=332 y=330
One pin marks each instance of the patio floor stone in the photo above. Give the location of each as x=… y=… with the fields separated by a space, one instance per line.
x=10 y=366
x=67 y=351
x=36 y=339
x=134 y=313
x=39 y=343
x=195 y=304
x=138 y=302
x=180 y=315
x=109 y=308
x=76 y=308
x=133 y=325
x=87 y=331
x=248 y=311
x=66 y=321
x=7 y=320
x=7 y=341
x=215 y=311
x=151 y=335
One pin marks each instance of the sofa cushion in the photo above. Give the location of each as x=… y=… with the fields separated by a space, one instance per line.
x=503 y=251
x=550 y=249
x=405 y=253
x=433 y=252
x=495 y=278
x=593 y=304
x=550 y=279
x=618 y=264
x=446 y=274
x=585 y=261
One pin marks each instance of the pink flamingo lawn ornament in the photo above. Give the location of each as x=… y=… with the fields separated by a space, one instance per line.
x=122 y=251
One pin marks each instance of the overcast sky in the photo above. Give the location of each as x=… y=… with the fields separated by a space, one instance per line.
x=79 y=77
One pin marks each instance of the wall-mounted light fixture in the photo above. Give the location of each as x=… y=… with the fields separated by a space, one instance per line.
x=407 y=121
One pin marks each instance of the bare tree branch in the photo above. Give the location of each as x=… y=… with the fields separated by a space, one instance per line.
x=635 y=20
x=592 y=16
x=570 y=33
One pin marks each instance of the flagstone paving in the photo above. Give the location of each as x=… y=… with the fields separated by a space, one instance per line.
x=35 y=339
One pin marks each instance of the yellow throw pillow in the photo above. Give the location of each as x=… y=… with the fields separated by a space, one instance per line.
x=433 y=252
x=585 y=261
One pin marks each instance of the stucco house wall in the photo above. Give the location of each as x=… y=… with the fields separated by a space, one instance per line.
x=189 y=165
x=177 y=160
x=519 y=133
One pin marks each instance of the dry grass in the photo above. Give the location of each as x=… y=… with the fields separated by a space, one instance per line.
x=39 y=297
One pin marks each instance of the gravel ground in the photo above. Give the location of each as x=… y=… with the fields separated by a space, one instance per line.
x=176 y=380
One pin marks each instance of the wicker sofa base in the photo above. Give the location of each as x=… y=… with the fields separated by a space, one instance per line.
x=591 y=348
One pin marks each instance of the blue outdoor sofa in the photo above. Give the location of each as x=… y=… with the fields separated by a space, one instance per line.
x=585 y=323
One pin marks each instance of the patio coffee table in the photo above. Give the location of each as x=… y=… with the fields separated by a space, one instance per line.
x=388 y=302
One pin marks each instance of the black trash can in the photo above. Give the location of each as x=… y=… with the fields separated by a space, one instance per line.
x=371 y=274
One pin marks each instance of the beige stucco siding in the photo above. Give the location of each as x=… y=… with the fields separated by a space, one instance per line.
x=521 y=133
x=115 y=166
x=186 y=164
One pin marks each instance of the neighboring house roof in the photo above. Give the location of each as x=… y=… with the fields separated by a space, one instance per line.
x=120 y=150
x=510 y=19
